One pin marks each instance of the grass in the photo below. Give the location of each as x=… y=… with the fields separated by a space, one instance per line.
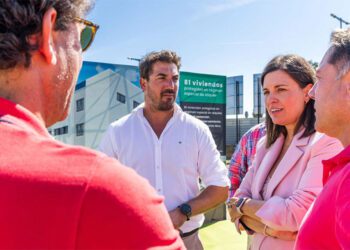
x=222 y=235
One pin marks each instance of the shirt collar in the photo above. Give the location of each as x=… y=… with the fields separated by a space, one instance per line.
x=13 y=113
x=139 y=109
x=340 y=160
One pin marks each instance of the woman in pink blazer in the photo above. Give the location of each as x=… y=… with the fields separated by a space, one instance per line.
x=286 y=174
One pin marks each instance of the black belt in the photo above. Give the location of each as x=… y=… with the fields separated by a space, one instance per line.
x=183 y=235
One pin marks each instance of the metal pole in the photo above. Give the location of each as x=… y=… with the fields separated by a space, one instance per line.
x=259 y=99
x=341 y=20
x=237 y=111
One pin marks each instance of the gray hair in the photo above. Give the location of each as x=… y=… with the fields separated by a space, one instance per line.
x=339 y=51
x=19 y=19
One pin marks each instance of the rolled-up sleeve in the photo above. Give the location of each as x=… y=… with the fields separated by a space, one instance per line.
x=212 y=170
x=287 y=214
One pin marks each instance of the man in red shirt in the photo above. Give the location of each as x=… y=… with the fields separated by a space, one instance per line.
x=327 y=225
x=52 y=195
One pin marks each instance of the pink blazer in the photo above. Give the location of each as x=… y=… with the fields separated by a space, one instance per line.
x=293 y=187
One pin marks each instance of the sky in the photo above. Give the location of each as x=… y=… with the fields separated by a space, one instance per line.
x=221 y=37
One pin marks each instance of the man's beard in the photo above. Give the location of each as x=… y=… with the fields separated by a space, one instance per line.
x=168 y=104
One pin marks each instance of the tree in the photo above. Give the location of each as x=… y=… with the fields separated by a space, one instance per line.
x=313 y=64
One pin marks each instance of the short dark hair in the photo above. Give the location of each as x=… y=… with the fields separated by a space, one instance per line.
x=303 y=73
x=20 y=19
x=340 y=51
x=146 y=63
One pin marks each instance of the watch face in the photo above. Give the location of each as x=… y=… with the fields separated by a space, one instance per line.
x=186 y=209
x=239 y=202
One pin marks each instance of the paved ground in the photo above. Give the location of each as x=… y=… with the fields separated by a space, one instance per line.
x=222 y=235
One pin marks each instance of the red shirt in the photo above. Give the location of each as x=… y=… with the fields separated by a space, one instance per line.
x=56 y=196
x=328 y=223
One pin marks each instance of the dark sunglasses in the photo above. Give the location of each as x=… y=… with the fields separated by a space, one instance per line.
x=87 y=35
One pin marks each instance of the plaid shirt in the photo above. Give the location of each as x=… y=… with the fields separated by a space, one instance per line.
x=243 y=156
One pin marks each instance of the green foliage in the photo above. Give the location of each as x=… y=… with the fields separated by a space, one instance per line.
x=313 y=64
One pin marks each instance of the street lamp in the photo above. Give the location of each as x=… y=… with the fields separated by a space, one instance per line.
x=341 y=20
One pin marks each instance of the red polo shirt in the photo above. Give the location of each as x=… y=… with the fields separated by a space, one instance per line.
x=327 y=225
x=56 y=196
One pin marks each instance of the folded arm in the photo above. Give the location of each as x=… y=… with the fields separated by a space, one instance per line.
x=259 y=227
x=286 y=213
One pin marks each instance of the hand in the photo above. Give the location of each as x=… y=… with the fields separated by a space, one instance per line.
x=177 y=218
x=283 y=235
x=241 y=228
x=231 y=206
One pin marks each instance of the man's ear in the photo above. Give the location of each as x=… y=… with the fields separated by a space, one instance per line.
x=47 y=48
x=143 y=82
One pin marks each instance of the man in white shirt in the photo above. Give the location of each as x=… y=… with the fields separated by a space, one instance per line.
x=170 y=148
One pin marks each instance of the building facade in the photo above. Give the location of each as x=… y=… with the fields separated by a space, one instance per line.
x=259 y=103
x=105 y=92
x=234 y=95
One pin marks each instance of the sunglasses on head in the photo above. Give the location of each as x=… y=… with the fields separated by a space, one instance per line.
x=87 y=35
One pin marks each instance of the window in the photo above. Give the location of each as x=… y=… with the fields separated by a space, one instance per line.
x=60 y=131
x=80 y=129
x=120 y=97
x=80 y=104
x=55 y=131
x=135 y=104
x=65 y=130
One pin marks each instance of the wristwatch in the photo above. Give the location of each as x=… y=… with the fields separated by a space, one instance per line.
x=239 y=204
x=186 y=210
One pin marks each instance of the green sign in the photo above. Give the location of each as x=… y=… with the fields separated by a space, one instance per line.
x=202 y=88
x=204 y=97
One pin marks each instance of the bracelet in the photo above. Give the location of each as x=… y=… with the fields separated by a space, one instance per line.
x=264 y=232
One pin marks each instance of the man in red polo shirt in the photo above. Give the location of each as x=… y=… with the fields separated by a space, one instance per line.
x=52 y=195
x=327 y=225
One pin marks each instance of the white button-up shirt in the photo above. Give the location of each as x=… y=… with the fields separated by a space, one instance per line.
x=172 y=163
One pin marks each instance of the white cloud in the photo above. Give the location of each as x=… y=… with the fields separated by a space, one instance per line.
x=215 y=7
x=241 y=43
x=226 y=5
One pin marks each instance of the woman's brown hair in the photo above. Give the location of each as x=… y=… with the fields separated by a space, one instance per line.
x=303 y=73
